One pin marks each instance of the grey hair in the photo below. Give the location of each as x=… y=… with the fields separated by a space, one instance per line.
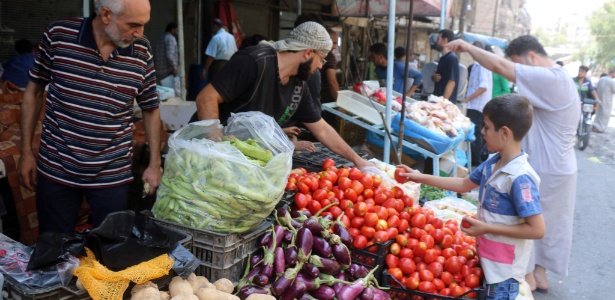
x=115 y=6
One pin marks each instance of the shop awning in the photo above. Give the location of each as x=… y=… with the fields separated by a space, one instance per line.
x=422 y=8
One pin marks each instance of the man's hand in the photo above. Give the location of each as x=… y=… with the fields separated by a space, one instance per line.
x=152 y=176
x=27 y=171
x=304 y=146
x=292 y=131
x=459 y=46
x=436 y=77
x=363 y=163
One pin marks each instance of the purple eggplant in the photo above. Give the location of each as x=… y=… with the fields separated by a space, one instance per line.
x=323 y=293
x=305 y=241
x=248 y=274
x=367 y=294
x=260 y=279
x=269 y=251
x=265 y=239
x=352 y=291
x=337 y=286
x=280 y=285
x=247 y=290
x=307 y=297
x=278 y=236
x=290 y=255
x=279 y=261
x=357 y=271
x=282 y=217
x=298 y=213
x=288 y=236
x=295 y=291
x=310 y=270
x=295 y=224
x=314 y=226
x=315 y=283
x=326 y=265
x=255 y=259
x=340 y=229
x=342 y=255
x=381 y=295
x=321 y=247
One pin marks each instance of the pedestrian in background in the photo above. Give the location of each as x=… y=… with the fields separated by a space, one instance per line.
x=85 y=149
x=477 y=96
x=400 y=55
x=15 y=69
x=219 y=50
x=446 y=77
x=549 y=144
x=500 y=84
x=606 y=90
x=166 y=53
x=378 y=55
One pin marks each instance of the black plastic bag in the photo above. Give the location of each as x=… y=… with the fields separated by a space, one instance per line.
x=54 y=248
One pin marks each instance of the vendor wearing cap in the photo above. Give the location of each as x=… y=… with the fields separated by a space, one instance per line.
x=271 y=78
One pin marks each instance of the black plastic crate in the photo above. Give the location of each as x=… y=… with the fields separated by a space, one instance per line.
x=371 y=256
x=398 y=292
x=287 y=199
x=312 y=161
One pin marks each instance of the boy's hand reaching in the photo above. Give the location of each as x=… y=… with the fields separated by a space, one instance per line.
x=410 y=174
x=473 y=227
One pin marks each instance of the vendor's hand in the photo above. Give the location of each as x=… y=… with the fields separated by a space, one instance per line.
x=304 y=146
x=411 y=174
x=363 y=163
x=292 y=131
x=151 y=176
x=476 y=227
x=436 y=77
x=27 y=171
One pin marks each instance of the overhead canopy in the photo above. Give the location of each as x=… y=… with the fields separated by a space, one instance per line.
x=358 y=8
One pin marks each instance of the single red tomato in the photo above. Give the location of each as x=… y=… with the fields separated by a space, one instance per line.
x=406 y=253
x=403 y=225
x=394 y=248
x=439 y=284
x=392 y=233
x=377 y=180
x=319 y=195
x=350 y=194
x=368 y=232
x=343 y=172
x=427 y=287
x=391 y=261
x=381 y=236
x=360 y=209
x=407 y=265
x=359 y=242
x=396 y=273
x=367 y=181
x=401 y=240
x=382 y=225
x=430 y=256
x=371 y=219
x=300 y=200
x=445 y=292
x=420 y=249
x=344 y=183
x=412 y=283
x=435 y=268
x=353 y=232
x=400 y=178
x=446 y=277
x=465 y=224
x=467 y=253
x=407 y=200
x=357 y=222
x=354 y=174
x=452 y=264
x=418 y=221
x=328 y=163
x=368 y=193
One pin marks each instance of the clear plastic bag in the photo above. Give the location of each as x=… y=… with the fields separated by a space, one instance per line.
x=451 y=208
x=14 y=262
x=213 y=185
x=386 y=171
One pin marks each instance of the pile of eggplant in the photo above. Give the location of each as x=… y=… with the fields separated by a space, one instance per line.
x=302 y=259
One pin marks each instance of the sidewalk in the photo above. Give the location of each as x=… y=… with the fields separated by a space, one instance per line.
x=592 y=261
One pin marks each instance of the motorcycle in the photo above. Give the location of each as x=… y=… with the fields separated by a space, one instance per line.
x=585 y=123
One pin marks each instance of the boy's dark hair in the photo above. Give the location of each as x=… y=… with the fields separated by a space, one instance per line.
x=448 y=34
x=309 y=17
x=513 y=111
x=23 y=46
x=378 y=48
x=584 y=68
x=524 y=44
x=171 y=26
x=399 y=52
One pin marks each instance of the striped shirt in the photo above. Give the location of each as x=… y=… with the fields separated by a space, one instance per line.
x=506 y=197
x=87 y=130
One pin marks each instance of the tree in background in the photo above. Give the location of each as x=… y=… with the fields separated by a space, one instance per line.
x=602 y=26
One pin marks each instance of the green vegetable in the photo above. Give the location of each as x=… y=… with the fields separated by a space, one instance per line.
x=432 y=193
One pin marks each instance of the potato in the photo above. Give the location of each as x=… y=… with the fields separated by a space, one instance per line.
x=185 y=297
x=178 y=286
x=164 y=295
x=224 y=285
x=196 y=282
x=80 y=286
x=208 y=285
x=211 y=294
x=147 y=293
x=144 y=285
x=260 y=297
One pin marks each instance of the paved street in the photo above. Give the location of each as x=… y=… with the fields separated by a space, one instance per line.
x=591 y=273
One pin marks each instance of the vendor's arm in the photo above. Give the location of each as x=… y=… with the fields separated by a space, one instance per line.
x=334 y=86
x=488 y=60
x=30 y=110
x=207 y=102
x=455 y=184
x=325 y=134
x=153 y=125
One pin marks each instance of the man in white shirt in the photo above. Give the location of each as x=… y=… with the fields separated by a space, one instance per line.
x=479 y=93
x=219 y=50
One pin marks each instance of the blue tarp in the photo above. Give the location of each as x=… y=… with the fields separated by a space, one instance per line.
x=485 y=39
x=438 y=143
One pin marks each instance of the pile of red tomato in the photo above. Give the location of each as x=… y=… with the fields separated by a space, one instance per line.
x=428 y=254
